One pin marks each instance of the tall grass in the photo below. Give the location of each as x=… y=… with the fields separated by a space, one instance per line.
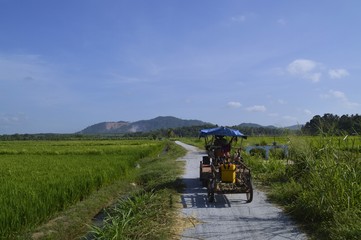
x=324 y=186
x=39 y=179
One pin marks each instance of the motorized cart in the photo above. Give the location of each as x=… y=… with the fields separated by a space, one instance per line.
x=220 y=171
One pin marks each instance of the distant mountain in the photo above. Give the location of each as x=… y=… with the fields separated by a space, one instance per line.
x=157 y=123
x=104 y=127
x=140 y=126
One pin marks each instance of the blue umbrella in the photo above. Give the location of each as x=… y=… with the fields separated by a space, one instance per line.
x=221 y=131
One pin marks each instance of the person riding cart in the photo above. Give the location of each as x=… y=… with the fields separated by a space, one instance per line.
x=220 y=172
x=218 y=147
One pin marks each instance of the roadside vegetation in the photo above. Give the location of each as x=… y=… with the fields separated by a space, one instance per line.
x=322 y=186
x=318 y=184
x=150 y=212
x=52 y=189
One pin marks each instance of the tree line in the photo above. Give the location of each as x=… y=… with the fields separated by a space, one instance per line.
x=190 y=131
x=332 y=124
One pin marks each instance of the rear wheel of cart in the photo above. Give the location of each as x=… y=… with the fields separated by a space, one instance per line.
x=249 y=193
x=204 y=183
x=211 y=190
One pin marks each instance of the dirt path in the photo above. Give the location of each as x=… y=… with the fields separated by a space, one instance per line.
x=230 y=217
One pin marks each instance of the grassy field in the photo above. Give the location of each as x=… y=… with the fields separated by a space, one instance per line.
x=40 y=179
x=319 y=183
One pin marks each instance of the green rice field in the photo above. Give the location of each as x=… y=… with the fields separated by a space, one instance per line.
x=41 y=178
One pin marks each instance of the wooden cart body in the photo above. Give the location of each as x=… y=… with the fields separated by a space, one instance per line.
x=221 y=174
x=240 y=182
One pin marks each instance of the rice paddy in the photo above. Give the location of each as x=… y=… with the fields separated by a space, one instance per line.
x=41 y=178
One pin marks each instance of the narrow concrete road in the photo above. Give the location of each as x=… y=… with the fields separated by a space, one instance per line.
x=230 y=217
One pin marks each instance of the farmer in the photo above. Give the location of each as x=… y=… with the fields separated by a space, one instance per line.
x=220 y=141
x=225 y=146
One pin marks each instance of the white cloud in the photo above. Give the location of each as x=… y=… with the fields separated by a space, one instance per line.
x=256 y=108
x=234 y=104
x=338 y=94
x=311 y=70
x=305 y=68
x=301 y=66
x=338 y=73
x=341 y=97
x=238 y=18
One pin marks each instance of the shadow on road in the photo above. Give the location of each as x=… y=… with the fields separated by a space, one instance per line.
x=195 y=196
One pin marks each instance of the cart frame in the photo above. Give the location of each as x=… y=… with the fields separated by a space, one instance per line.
x=216 y=163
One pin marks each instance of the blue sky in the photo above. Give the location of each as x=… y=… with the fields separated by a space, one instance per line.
x=65 y=65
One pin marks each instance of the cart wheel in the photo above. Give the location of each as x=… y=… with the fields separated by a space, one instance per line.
x=204 y=183
x=210 y=197
x=249 y=193
x=210 y=191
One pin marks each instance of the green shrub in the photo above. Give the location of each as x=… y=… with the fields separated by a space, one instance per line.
x=258 y=152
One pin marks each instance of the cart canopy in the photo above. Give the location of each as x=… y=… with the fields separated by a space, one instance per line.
x=221 y=131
